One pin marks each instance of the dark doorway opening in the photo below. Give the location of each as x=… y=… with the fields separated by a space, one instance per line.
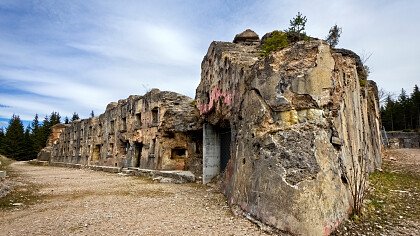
x=138 y=148
x=225 y=139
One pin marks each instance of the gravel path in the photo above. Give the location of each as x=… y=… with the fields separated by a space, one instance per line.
x=85 y=202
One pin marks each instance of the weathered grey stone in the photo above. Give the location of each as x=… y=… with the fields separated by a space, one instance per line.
x=281 y=110
x=337 y=141
x=247 y=37
x=160 y=130
x=2 y=174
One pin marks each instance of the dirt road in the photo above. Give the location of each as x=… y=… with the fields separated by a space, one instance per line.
x=85 y=202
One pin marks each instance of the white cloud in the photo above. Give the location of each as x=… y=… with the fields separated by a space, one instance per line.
x=78 y=57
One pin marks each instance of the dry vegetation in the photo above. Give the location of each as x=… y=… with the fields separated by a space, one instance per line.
x=392 y=205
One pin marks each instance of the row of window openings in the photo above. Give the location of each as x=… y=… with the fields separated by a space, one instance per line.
x=176 y=153
x=155 y=121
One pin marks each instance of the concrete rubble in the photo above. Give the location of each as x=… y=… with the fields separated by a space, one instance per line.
x=281 y=133
x=403 y=139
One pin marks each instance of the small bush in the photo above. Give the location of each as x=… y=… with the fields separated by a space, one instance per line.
x=277 y=40
x=362 y=82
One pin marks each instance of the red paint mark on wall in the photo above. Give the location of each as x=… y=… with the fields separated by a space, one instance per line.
x=216 y=94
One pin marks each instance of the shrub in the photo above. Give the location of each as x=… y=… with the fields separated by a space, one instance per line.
x=276 y=41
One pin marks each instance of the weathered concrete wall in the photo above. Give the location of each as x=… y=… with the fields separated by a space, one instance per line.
x=160 y=130
x=399 y=139
x=299 y=120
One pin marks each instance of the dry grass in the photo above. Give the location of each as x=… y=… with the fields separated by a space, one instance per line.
x=392 y=205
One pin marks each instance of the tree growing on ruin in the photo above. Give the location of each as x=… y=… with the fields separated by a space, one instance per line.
x=334 y=36
x=297 y=26
x=75 y=117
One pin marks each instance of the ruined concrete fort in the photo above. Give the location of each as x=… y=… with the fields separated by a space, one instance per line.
x=282 y=133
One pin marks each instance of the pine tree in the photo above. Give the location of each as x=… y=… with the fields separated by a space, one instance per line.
x=402 y=113
x=29 y=145
x=415 y=98
x=75 y=117
x=14 y=145
x=297 y=26
x=2 y=135
x=333 y=36
x=44 y=133
x=36 y=134
x=66 y=120
x=54 y=118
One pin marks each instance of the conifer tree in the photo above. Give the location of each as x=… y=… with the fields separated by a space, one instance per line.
x=333 y=36
x=297 y=25
x=36 y=134
x=75 y=117
x=14 y=145
x=2 y=135
x=54 y=118
x=30 y=152
x=44 y=133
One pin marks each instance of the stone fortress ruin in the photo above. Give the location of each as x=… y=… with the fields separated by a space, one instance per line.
x=282 y=132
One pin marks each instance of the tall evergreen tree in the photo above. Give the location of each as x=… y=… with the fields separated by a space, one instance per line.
x=415 y=98
x=36 y=134
x=54 y=118
x=2 y=135
x=66 y=120
x=402 y=113
x=14 y=145
x=29 y=145
x=44 y=133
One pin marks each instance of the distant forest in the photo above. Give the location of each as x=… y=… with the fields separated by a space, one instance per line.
x=20 y=143
x=402 y=113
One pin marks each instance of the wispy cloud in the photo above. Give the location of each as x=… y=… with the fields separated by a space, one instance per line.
x=80 y=55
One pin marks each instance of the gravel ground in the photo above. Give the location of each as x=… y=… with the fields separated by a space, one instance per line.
x=85 y=202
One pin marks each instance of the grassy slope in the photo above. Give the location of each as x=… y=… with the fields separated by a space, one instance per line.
x=392 y=204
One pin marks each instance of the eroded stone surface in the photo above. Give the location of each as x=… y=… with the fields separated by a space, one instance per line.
x=160 y=130
x=298 y=119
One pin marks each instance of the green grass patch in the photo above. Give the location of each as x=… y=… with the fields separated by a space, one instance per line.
x=393 y=199
x=277 y=41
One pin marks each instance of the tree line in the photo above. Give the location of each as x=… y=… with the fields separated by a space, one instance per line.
x=402 y=113
x=20 y=143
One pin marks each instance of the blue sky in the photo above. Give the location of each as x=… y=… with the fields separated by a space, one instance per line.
x=77 y=56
